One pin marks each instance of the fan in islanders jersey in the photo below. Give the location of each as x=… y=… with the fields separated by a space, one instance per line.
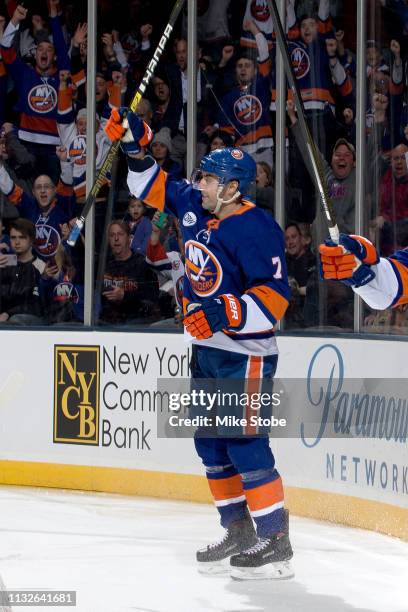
x=235 y=291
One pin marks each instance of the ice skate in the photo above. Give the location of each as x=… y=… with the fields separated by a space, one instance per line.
x=267 y=559
x=214 y=559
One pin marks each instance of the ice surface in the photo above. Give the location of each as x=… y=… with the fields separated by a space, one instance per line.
x=127 y=553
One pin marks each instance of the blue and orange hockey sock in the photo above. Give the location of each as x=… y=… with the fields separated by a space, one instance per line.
x=264 y=495
x=226 y=487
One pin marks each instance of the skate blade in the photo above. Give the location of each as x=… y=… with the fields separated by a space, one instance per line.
x=214 y=568
x=271 y=571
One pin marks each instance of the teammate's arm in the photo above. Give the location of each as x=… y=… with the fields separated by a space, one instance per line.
x=382 y=282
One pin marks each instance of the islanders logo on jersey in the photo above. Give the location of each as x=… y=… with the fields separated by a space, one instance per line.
x=260 y=10
x=42 y=98
x=65 y=291
x=237 y=154
x=203 y=269
x=300 y=60
x=47 y=240
x=248 y=109
x=77 y=150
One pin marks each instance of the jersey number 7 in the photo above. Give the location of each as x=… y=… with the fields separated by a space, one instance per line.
x=276 y=261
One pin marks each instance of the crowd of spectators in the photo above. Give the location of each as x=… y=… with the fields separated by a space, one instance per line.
x=43 y=145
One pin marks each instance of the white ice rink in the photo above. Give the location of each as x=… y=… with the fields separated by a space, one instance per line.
x=127 y=553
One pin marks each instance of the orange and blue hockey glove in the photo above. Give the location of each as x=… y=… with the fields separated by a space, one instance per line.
x=223 y=312
x=349 y=261
x=137 y=135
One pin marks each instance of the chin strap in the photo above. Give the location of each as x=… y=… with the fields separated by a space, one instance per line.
x=221 y=202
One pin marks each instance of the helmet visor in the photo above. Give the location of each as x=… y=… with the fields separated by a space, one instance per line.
x=199 y=178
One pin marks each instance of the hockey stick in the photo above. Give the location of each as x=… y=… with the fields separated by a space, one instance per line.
x=313 y=153
x=107 y=164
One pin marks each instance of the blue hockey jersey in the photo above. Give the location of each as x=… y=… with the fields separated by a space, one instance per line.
x=242 y=254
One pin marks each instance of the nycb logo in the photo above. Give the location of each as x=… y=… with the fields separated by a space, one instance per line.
x=76 y=394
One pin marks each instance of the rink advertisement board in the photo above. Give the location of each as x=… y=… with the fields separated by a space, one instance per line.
x=80 y=410
x=76 y=394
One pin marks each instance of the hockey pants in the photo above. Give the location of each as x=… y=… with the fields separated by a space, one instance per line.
x=240 y=470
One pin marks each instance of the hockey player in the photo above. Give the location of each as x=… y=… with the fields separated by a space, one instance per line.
x=235 y=291
x=382 y=282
